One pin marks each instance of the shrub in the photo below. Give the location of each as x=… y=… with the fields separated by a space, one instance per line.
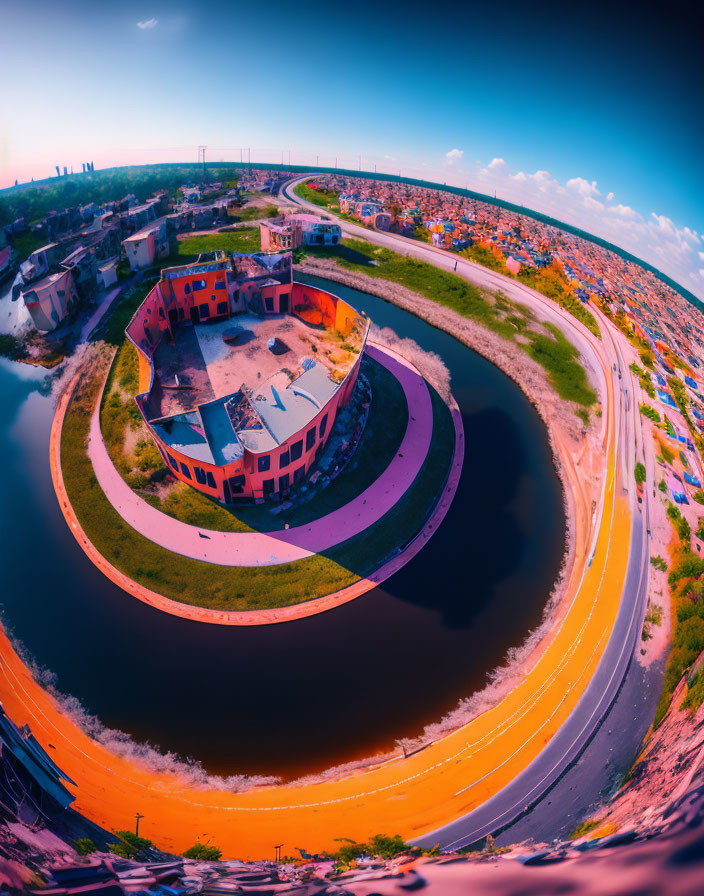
x=650 y=412
x=689 y=635
x=130 y=845
x=639 y=473
x=683 y=530
x=698 y=496
x=662 y=485
x=659 y=563
x=689 y=566
x=203 y=852
x=380 y=845
x=84 y=846
x=386 y=847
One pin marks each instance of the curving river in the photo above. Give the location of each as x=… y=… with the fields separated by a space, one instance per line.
x=295 y=698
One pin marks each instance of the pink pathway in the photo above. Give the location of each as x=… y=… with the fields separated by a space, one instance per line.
x=283 y=545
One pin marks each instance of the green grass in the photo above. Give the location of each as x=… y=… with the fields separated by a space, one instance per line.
x=241 y=588
x=244 y=239
x=584 y=828
x=27 y=243
x=553 y=352
x=650 y=412
x=378 y=444
x=550 y=283
x=324 y=198
x=560 y=359
x=112 y=327
x=254 y=213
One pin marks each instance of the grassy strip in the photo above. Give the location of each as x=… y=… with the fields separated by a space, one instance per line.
x=112 y=327
x=240 y=588
x=550 y=282
x=327 y=199
x=554 y=352
x=553 y=284
x=254 y=213
x=244 y=239
x=378 y=444
x=179 y=578
x=686 y=581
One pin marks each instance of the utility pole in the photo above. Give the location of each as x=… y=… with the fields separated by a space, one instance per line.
x=317 y=161
x=136 y=827
x=335 y=161
x=249 y=158
x=278 y=853
x=360 y=163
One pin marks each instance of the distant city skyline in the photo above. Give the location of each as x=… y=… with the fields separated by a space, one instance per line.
x=587 y=115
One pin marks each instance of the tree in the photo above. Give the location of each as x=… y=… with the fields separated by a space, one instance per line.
x=203 y=852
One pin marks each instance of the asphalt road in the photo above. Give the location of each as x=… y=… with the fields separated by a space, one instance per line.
x=522 y=796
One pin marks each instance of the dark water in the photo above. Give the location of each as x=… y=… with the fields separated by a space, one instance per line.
x=288 y=699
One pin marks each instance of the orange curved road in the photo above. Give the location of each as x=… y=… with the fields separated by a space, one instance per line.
x=409 y=796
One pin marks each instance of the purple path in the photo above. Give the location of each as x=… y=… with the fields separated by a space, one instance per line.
x=284 y=545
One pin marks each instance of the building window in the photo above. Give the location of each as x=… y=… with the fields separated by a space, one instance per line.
x=221 y=284
x=204 y=311
x=299 y=475
x=263 y=463
x=296 y=450
x=197 y=284
x=186 y=288
x=186 y=472
x=284 y=482
x=323 y=425
x=310 y=439
x=211 y=479
x=236 y=484
x=284 y=459
x=200 y=475
x=269 y=303
x=268 y=487
x=222 y=308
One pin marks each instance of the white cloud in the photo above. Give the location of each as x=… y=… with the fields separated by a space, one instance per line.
x=593 y=204
x=583 y=187
x=453 y=156
x=664 y=224
x=148 y=24
x=625 y=211
x=676 y=251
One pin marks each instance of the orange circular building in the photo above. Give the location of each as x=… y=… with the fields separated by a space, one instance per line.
x=248 y=370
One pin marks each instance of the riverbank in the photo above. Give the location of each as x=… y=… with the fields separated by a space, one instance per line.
x=577 y=451
x=197 y=590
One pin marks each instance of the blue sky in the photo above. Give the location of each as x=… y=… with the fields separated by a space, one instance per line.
x=605 y=98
